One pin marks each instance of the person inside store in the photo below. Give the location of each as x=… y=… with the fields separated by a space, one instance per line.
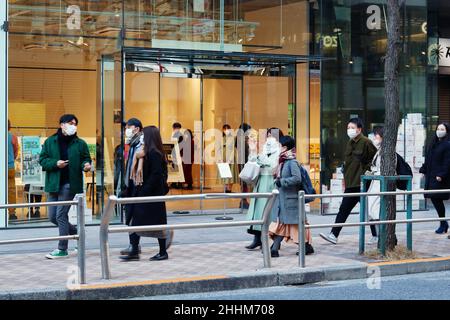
x=436 y=169
x=359 y=154
x=177 y=135
x=284 y=214
x=149 y=174
x=229 y=155
x=133 y=134
x=187 y=157
x=34 y=198
x=268 y=163
x=243 y=151
x=13 y=151
x=64 y=157
x=118 y=162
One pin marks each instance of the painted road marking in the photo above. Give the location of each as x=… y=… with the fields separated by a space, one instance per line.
x=149 y=282
x=375 y=264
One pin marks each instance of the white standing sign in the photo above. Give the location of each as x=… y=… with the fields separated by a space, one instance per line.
x=224 y=171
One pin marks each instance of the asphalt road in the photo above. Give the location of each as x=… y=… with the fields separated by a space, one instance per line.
x=424 y=286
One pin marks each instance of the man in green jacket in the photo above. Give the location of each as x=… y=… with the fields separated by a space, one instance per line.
x=359 y=154
x=64 y=157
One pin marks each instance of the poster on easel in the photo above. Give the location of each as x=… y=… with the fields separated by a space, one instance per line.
x=174 y=165
x=224 y=171
x=31 y=170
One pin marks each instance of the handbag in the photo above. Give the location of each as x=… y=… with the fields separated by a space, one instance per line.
x=250 y=172
x=403 y=169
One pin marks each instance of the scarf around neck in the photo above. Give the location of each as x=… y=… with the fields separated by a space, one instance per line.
x=135 y=140
x=284 y=156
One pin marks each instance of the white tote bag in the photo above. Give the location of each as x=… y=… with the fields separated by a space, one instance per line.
x=250 y=173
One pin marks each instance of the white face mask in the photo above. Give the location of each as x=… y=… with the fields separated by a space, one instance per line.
x=377 y=143
x=129 y=133
x=70 y=129
x=441 y=133
x=352 y=133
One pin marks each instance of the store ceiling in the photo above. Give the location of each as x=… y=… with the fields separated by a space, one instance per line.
x=39 y=27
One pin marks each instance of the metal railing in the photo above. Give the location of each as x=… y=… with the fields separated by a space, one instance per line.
x=105 y=230
x=302 y=215
x=80 y=237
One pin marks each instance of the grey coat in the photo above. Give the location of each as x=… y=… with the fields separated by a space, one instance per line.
x=285 y=207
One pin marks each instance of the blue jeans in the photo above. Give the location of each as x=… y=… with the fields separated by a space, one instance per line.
x=59 y=215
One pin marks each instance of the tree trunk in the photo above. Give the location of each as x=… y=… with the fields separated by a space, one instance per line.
x=392 y=113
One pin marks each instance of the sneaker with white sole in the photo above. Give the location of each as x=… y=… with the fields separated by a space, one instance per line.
x=373 y=240
x=330 y=238
x=57 y=254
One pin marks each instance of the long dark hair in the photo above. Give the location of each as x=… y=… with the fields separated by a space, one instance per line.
x=153 y=142
x=446 y=138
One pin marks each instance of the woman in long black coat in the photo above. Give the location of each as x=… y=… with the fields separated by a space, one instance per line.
x=437 y=171
x=153 y=182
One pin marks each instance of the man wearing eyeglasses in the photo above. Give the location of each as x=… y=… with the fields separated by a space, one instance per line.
x=64 y=157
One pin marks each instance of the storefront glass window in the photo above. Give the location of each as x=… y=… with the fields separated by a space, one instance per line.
x=353 y=35
x=66 y=57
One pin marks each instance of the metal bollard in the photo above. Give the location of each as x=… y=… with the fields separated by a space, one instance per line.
x=81 y=240
x=301 y=228
x=409 y=226
x=265 y=229
x=104 y=235
x=265 y=244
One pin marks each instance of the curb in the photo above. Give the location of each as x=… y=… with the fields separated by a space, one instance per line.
x=257 y=279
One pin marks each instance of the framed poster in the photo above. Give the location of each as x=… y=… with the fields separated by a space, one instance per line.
x=224 y=171
x=174 y=166
x=31 y=171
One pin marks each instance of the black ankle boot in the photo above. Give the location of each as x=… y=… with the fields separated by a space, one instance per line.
x=256 y=242
x=133 y=254
x=276 y=245
x=130 y=257
x=443 y=228
x=127 y=251
x=308 y=249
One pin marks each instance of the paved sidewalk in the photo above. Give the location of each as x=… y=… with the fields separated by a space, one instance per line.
x=33 y=272
x=197 y=255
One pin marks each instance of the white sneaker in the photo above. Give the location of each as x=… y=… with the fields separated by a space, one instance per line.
x=373 y=240
x=57 y=254
x=330 y=238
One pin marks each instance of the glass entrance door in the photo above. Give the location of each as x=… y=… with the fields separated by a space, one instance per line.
x=201 y=104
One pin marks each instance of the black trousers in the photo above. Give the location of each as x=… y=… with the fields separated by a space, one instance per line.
x=135 y=239
x=347 y=205
x=439 y=206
